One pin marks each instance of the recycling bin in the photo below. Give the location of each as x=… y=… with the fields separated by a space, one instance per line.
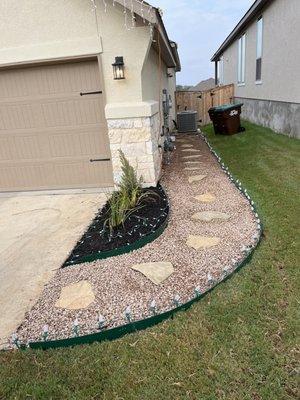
x=226 y=119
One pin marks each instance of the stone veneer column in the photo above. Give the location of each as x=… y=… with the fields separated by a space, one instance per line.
x=139 y=139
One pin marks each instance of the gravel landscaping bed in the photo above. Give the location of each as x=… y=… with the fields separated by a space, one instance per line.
x=116 y=286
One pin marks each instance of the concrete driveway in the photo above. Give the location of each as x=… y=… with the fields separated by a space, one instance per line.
x=36 y=235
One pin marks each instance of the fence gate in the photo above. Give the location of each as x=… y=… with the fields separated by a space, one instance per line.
x=203 y=101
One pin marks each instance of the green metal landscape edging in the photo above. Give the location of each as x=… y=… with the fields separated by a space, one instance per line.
x=134 y=326
x=124 y=249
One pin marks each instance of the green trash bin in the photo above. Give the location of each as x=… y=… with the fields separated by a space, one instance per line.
x=226 y=119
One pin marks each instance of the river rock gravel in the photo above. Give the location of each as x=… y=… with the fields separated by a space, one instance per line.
x=117 y=286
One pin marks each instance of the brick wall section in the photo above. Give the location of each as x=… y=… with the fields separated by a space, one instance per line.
x=139 y=139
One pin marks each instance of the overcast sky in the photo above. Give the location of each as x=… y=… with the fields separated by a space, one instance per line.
x=199 y=27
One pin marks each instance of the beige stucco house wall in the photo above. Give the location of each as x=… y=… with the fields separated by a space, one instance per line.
x=275 y=101
x=156 y=75
x=41 y=31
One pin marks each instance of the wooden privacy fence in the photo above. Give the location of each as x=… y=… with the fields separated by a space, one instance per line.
x=203 y=101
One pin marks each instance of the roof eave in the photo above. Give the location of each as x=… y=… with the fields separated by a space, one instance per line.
x=153 y=16
x=255 y=9
x=170 y=44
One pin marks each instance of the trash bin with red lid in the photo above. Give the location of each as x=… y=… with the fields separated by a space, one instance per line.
x=226 y=119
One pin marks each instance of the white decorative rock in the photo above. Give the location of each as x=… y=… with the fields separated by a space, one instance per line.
x=157 y=272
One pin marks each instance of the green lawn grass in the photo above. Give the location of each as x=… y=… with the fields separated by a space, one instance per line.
x=238 y=343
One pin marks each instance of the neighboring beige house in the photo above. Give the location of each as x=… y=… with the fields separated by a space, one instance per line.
x=63 y=116
x=261 y=56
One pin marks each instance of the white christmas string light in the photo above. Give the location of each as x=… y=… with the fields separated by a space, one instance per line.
x=125 y=16
x=96 y=16
x=101 y=322
x=15 y=340
x=45 y=332
x=176 y=300
x=127 y=314
x=75 y=328
x=142 y=10
x=153 y=307
x=132 y=15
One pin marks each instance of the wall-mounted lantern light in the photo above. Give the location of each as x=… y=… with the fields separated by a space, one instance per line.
x=118 y=68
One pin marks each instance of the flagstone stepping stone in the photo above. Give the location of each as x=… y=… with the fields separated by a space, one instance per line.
x=157 y=272
x=190 y=150
x=187 y=145
x=191 y=168
x=206 y=197
x=202 y=242
x=76 y=296
x=182 y=141
x=193 y=162
x=207 y=216
x=196 y=178
x=191 y=157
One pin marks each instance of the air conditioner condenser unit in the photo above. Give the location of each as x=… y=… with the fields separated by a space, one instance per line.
x=187 y=121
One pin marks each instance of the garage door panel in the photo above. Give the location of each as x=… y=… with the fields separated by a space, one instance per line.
x=6 y=149
x=66 y=113
x=19 y=116
x=64 y=175
x=80 y=144
x=65 y=144
x=84 y=142
x=49 y=79
x=53 y=113
x=48 y=132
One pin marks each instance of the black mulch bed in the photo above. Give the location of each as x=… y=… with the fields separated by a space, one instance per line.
x=142 y=222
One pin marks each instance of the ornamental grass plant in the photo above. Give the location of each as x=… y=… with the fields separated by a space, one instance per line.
x=128 y=199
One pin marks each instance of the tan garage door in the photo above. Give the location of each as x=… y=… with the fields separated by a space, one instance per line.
x=51 y=127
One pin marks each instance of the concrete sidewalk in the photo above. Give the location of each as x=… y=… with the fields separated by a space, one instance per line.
x=36 y=235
